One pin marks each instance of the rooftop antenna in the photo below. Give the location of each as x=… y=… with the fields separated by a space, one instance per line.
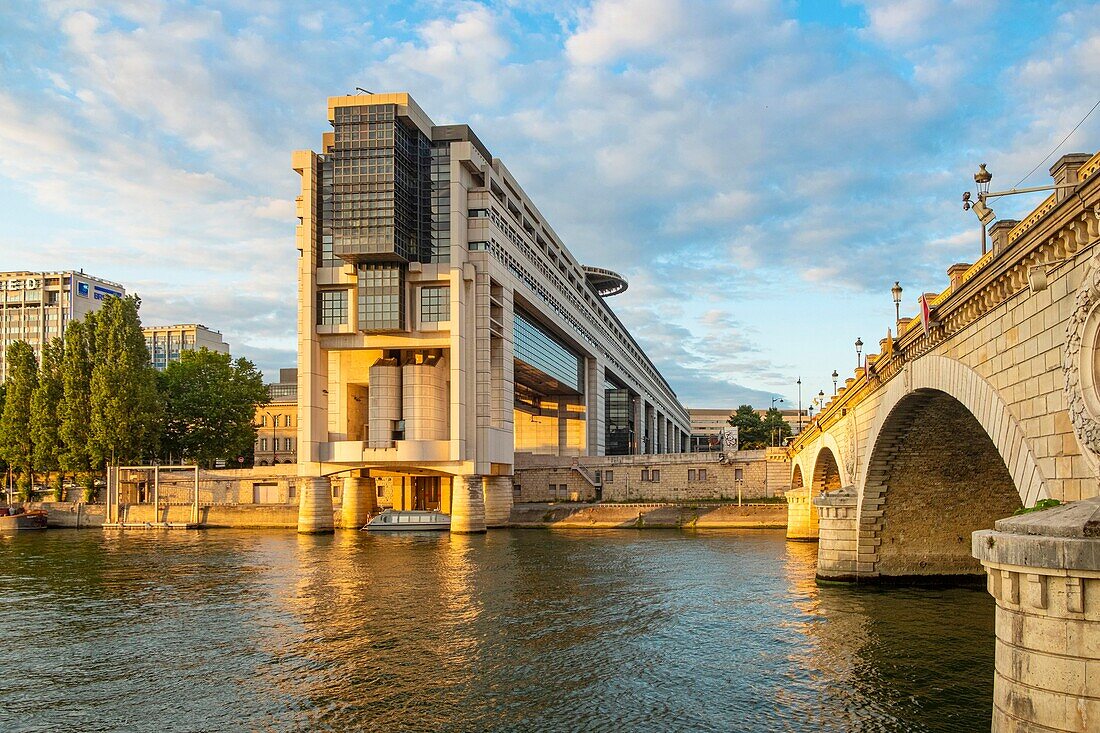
x=364 y=91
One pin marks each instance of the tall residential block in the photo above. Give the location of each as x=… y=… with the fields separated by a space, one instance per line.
x=444 y=327
x=37 y=306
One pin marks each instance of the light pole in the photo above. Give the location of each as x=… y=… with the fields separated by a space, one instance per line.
x=821 y=399
x=774 y=400
x=799 y=383
x=859 y=351
x=835 y=377
x=896 y=292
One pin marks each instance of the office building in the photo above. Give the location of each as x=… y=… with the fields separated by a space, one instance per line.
x=708 y=422
x=166 y=343
x=444 y=327
x=37 y=306
x=277 y=422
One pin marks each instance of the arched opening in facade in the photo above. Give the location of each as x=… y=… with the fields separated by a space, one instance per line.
x=796 y=479
x=934 y=477
x=826 y=472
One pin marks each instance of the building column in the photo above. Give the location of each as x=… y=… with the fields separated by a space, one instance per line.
x=639 y=425
x=594 y=408
x=358 y=503
x=563 y=424
x=1043 y=570
x=802 y=519
x=498 y=500
x=838 y=535
x=315 y=505
x=468 y=505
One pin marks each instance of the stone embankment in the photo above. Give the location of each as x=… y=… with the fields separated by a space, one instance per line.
x=596 y=516
x=650 y=516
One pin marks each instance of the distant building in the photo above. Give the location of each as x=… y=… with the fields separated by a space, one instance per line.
x=36 y=306
x=277 y=422
x=166 y=343
x=707 y=422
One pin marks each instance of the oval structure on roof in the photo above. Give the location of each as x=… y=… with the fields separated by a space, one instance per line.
x=605 y=282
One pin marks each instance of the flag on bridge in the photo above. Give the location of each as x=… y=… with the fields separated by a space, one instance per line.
x=925 y=315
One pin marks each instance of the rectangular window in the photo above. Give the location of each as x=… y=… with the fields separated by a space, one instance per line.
x=286 y=444
x=263 y=421
x=608 y=476
x=435 y=304
x=599 y=478
x=381 y=491
x=381 y=298
x=656 y=475
x=263 y=443
x=645 y=474
x=738 y=474
x=332 y=307
x=691 y=474
x=702 y=474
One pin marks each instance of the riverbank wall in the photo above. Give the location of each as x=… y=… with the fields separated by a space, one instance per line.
x=536 y=515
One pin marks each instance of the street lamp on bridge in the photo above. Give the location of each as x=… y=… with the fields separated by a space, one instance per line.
x=896 y=292
x=835 y=377
x=859 y=351
x=799 y=383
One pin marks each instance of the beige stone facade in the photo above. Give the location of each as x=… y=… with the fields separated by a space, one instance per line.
x=166 y=343
x=669 y=478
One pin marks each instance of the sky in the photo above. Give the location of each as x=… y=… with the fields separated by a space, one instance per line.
x=761 y=172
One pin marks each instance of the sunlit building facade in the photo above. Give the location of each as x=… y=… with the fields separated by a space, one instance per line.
x=444 y=328
x=37 y=306
x=166 y=343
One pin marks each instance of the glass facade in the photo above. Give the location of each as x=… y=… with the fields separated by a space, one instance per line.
x=332 y=307
x=381 y=186
x=441 y=202
x=435 y=304
x=325 y=257
x=537 y=348
x=618 y=420
x=381 y=298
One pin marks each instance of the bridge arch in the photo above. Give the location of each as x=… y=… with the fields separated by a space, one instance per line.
x=947 y=458
x=796 y=477
x=826 y=475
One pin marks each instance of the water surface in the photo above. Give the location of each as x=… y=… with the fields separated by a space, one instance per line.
x=521 y=630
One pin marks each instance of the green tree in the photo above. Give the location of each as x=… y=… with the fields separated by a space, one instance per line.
x=76 y=384
x=210 y=403
x=776 y=429
x=45 y=417
x=750 y=428
x=126 y=410
x=16 y=444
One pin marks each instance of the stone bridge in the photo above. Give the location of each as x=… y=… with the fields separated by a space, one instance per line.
x=952 y=426
x=993 y=406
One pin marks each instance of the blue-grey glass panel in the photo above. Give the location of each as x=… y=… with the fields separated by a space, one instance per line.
x=534 y=346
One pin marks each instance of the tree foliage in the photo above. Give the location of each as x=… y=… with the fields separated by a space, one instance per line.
x=16 y=444
x=755 y=432
x=45 y=403
x=126 y=409
x=210 y=403
x=75 y=422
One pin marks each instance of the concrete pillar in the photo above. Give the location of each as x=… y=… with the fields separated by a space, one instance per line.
x=838 y=534
x=314 y=505
x=802 y=519
x=595 y=407
x=359 y=502
x=563 y=425
x=498 y=500
x=383 y=403
x=1043 y=569
x=468 y=505
x=639 y=426
x=424 y=400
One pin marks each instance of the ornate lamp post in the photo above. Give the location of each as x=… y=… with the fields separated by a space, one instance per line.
x=799 y=383
x=896 y=292
x=859 y=351
x=774 y=400
x=835 y=377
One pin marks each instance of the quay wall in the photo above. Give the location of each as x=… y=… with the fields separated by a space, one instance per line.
x=641 y=516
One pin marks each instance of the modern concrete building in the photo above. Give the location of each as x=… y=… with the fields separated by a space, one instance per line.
x=166 y=343
x=444 y=327
x=36 y=306
x=277 y=422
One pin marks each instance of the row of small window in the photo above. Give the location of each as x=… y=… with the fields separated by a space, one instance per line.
x=275 y=421
x=700 y=475
x=653 y=475
x=288 y=444
x=332 y=306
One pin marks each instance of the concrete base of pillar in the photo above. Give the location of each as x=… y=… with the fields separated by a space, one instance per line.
x=837 y=535
x=498 y=500
x=359 y=502
x=802 y=517
x=467 y=505
x=315 y=506
x=1043 y=569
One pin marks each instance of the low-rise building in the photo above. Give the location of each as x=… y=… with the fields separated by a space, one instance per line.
x=37 y=306
x=277 y=422
x=166 y=343
x=708 y=422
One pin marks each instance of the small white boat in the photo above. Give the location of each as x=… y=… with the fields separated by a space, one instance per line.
x=409 y=521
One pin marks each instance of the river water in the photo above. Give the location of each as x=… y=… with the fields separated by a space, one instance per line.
x=516 y=630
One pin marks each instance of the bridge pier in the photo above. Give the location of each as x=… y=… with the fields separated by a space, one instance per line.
x=498 y=500
x=1043 y=569
x=315 y=505
x=838 y=535
x=802 y=518
x=359 y=501
x=468 y=505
